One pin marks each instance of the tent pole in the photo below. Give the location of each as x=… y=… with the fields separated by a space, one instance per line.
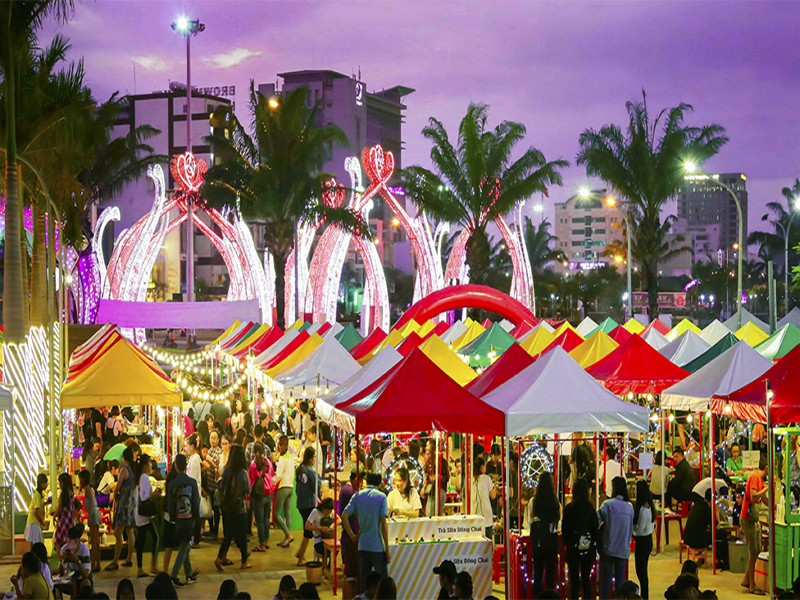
x=507 y=514
x=436 y=457
x=663 y=506
x=519 y=485
x=702 y=447
x=335 y=500
x=713 y=498
x=771 y=491
x=596 y=476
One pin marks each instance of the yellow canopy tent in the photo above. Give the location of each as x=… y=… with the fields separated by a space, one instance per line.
x=474 y=331
x=633 y=326
x=752 y=334
x=225 y=333
x=468 y=321
x=563 y=327
x=297 y=324
x=295 y=357
x=447 y=360
x=394 y=339
x=426 y=328
x=120 y=377
x=406 y=329
x=538 y=341
x=681 y=328
x=249 y=340
x=598 y=346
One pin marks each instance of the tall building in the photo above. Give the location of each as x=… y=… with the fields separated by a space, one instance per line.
x=367 y=119
x=585 y=228
x=703 y=201
x=166 y=112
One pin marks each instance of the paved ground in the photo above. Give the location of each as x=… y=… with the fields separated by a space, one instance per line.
x=262 y=580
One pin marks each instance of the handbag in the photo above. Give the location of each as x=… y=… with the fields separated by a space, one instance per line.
x=148 y=508
x=206 y=511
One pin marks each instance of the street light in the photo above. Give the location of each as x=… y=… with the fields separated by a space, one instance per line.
x=273 y=102
x=188 y=28
x=693 y=169
x=786 y=231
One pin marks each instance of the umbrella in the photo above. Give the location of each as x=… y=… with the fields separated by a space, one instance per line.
x=115 y=453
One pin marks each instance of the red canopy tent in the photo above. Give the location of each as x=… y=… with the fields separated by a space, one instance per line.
x=368 y=344
x=407 y=345
x=636 y=367
x=569 y=340
x=323 y=328
x=439 y=330
x=243 y=333
x=486 y=323
x=658 y=325
x=300 y=339
x=416 y=395
x=750 y=402
x=620 y=334
x=521 y=329
x=504 y=368
x=264 y=342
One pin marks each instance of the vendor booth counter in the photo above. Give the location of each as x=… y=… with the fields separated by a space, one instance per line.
x=418 y=545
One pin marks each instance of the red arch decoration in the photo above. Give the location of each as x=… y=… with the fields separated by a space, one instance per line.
x=468 y=296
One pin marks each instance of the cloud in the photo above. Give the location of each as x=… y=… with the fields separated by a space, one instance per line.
x=233 y=58
x=151 y=63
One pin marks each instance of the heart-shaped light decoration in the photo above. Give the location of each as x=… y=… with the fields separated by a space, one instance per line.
x=333 y=193
x=378 y=164
x=188 y=171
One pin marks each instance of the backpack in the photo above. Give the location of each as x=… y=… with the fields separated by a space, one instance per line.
x=584 y=543
x=585 y=462
x=183 y=502
x=257 y=489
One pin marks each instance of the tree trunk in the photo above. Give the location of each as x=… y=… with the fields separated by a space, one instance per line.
x=478 y=254
x=13 y=299
x=39 y=312
x=651 y=280
x=280 y=288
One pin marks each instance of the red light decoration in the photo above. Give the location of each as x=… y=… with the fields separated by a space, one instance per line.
x=188 y=171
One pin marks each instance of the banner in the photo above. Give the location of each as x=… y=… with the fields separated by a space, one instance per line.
x=165 y=315
x=665 y=299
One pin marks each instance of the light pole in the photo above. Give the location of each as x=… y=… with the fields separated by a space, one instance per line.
x=786 y=231
x=697 y=174
x=189 y=28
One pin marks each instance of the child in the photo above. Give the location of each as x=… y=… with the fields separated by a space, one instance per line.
x=93 y=516
x=40 y=551
x=314 y=523
x=65 y=511
x=36 y=523
x=75 y=557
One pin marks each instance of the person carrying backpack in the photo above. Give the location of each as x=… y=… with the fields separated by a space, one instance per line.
x=582 y=460
x=183 y=502
x=263 y=485
x=579 y=534
x=235 y=488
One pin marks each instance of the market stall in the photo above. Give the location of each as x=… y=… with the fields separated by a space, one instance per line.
x=684 y=349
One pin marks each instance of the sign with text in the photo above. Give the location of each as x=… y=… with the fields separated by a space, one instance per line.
x=665 y=299
x=224 y=91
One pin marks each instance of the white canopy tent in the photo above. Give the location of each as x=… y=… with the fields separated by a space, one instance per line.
x=543 y=324
x=736 y=367
x=714 y=332
x=747 y=317
x=275 y=348
x=655 y=338
x=684 y=349
x=586 y=327
x=456 y=330
x=556 y=395
x=329 y=365
x=363 y=378
x=793 y=317
x=507 y=325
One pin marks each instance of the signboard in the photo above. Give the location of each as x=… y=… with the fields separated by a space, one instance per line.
x=359 y=93
x=224 y=91
x=587 y=265
x=665 y=299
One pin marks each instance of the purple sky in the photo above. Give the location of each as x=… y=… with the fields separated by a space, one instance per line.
x=558 y=67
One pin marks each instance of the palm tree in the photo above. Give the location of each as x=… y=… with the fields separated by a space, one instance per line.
x=476 y=181
x=272 y=173
x=538 y=241
x=645 y=164
x=18 y=21
x=774 y=243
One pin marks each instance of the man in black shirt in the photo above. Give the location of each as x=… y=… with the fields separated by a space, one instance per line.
x=324 y=431
x=697 y=533
x=447 y=579
x=93 y=422
x=681 y=484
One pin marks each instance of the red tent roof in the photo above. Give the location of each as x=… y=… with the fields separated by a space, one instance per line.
x=264 y=342
x=636 y=367
x=658 y=325
x=234 y=341
x=504 y=368
x=620 y=334
x=407 y=345
x=749 y=402
x=323 y=328
x=486 y=323
x=569 y=340
x=416 y=395
x=439 y=330
x=300 y=339
x=521 y=329
x=368 y=344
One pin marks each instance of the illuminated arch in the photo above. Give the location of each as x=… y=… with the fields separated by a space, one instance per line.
x=137 y=248
x=468 y=296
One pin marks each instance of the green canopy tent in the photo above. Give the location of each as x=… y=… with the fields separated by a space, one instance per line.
x=349 y=337
x=780 y=343
x=607 y=326
x=706 y=357
x=487 y=346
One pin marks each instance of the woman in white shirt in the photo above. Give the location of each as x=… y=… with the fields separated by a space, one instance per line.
x=644 y=523
x=656 y=473
x=144 y=525
x=404 y=500
x=283 y=497
x=237 y=417
x=482 y=494
x=194 y=469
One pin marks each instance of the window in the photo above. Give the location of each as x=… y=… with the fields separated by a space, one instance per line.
x=599 y=219
x=578 y=220
x=577 y=244
x=600 y=231
x=578 y=232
